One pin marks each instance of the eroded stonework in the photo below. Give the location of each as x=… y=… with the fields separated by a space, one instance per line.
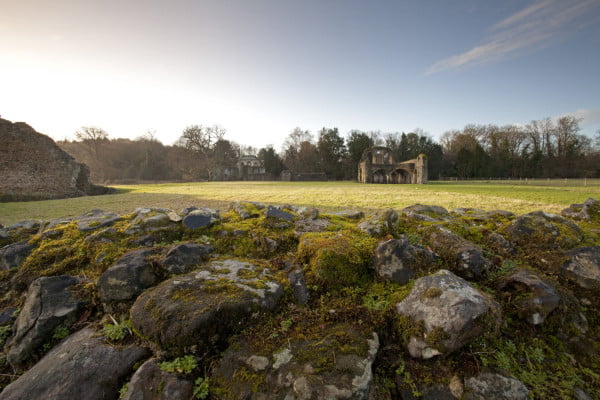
x=378 y=165
x=33 y=167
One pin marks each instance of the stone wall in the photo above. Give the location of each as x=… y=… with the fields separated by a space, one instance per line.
x=33 y=167
x=378 y=165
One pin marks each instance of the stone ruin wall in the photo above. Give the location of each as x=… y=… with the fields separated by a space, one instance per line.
x=33 y=167
x=378 y=165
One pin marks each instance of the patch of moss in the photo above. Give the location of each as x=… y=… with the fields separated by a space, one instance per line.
x=337 y=260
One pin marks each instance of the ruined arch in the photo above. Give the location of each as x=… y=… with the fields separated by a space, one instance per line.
x=378 y=165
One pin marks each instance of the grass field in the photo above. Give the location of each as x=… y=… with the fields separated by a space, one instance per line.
x=516 y=196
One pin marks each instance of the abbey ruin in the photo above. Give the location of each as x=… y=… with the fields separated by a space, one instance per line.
x=378 y=165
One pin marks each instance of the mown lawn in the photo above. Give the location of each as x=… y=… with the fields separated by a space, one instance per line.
x=516 y=196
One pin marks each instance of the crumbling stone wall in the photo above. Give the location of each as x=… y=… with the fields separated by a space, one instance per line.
x=378 y=165
x=33 y=167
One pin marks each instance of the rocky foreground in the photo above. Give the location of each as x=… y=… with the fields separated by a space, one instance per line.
x=265 y=302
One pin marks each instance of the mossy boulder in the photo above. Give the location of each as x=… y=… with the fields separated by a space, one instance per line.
x=397 y=260
x=128 y=277
x=588 y=211
x=489 y=385
x=381 y=223
x=461 y=256
x=181 y=257
x=80 y=367
x=152 y=383
x=442 y=313
x=335 y=259
x=427 y=213
x=96 y=219
x=49 y=305
x=583 y=267
x=246 y=210
x=13 y=255
x=18 y=232
x=543 y=231
x=532 y=297
x=334 y=364
x=206 y=306
x=201 y=218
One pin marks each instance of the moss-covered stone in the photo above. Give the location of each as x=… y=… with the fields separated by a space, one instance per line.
x=337 y=259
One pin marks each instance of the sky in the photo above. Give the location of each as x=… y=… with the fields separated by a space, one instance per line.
x=260 y=68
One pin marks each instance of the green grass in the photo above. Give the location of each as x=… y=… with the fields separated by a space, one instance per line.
x=516 y=196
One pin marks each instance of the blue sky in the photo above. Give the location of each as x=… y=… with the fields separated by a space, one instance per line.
x=260 y=68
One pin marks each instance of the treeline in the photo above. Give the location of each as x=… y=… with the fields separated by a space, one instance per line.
x=541 y=149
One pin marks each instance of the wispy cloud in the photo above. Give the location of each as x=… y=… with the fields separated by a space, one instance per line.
x=534 y=27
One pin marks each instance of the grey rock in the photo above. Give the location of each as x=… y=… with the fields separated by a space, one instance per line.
x=427 y=213
x=350 y=214
x=311 y=225
x=13 y=255
x=201 y=218
x=499 y=243
x=488 y=386
x=102 y=236
x=188 y=210
x=588 y=211
x=542 y=230
x=540 y=297
x=205 y=306
x=174 y=217
x=301 y=292
x=307 y=212
x=128 y=277
x=450 y=310
x=466 y=259
x=580 y=394
x=28 y=224
x=182 y=256
x=381 y=223
x=396 y=260
x=245 y=211
x=152 y=383
x=49 y=304
x=289 y=374
x=583 y=267
x=274 y=212
x=80 y=367
x=96 y=219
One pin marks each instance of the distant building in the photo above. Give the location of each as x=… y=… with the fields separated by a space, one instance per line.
x=246 y=168
x=378 y=165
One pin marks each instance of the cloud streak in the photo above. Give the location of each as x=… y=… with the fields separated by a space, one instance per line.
x=534 y=27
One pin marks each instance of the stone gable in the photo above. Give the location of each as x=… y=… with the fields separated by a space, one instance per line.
x=33 y=167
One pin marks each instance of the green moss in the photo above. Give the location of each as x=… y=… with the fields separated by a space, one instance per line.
x=337 y=260
x=436 y=338
x=257 y=381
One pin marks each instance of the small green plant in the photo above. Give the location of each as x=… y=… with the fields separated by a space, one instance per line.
x=201 y=388
x=117 y=330
x=408 y=379
x=60 y=332
x=375 y=302
x=285 y=325
x=123 y=391
x=182 y=365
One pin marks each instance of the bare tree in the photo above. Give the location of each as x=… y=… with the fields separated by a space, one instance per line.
x=201 y=139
